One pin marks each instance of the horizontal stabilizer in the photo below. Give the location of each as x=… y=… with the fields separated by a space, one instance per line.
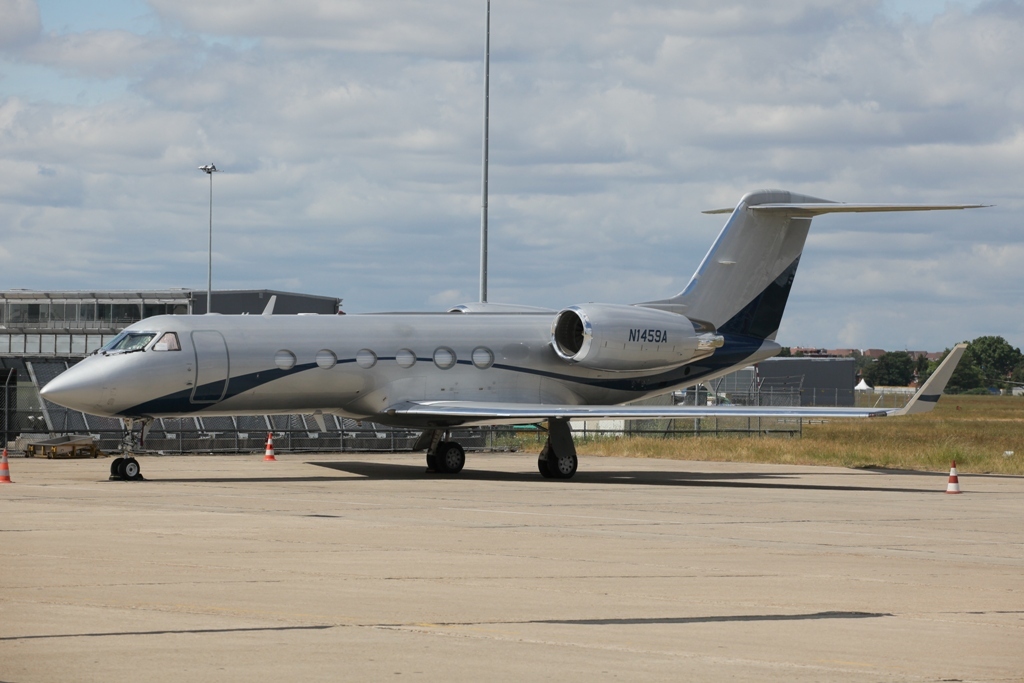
x=809 y=210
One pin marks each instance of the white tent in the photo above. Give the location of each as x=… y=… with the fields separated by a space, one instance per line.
x=863 y=386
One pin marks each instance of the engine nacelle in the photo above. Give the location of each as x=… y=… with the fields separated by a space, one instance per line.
x=622 y=338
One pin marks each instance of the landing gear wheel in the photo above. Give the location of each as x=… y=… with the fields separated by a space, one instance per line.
x=132 y=471
x=563 y=466
x=431 y=462
x=542 y=466
x=126 y=469
x=451 y=457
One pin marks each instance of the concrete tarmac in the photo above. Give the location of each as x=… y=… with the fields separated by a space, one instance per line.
x=363 y=567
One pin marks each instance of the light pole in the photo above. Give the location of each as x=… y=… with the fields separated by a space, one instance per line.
x=483 y=190
x=209 y=170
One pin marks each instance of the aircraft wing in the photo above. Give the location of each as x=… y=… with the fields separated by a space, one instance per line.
x=472 y=411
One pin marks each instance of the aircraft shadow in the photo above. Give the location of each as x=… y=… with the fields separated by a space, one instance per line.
x=715 y=619
x=396 y=472
x=246 y=480
x=169 y=632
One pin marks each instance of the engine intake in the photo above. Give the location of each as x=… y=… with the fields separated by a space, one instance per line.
x=622 y=338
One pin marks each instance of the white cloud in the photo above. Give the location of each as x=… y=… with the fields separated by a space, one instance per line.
x=20 y=23
x=349 y=138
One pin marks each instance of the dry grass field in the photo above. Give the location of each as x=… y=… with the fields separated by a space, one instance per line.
x=976 y=431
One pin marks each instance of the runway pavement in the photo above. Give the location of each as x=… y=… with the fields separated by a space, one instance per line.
x=346 y=567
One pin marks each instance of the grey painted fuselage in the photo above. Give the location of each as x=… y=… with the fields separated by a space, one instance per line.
x=270 y=364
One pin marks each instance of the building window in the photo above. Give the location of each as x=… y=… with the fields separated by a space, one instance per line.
x=29 y=313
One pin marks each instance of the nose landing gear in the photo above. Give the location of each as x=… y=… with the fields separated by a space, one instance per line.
x=126 y=467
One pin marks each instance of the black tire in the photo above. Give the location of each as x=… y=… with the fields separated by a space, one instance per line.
x=555 y=466
x=431 y=462
x=132 y=471
x=451 y=457
x=542 y=466
x=115 y=468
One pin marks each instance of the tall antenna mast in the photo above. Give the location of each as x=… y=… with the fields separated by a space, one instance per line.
x=483 y=191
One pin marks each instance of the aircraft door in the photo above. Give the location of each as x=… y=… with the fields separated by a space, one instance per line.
x=212 y=366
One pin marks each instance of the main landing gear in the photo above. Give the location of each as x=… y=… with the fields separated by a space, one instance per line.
x=126 y=467
x=558 y=459
x=443 y=457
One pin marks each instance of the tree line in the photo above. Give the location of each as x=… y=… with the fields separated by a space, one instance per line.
x=988 y=363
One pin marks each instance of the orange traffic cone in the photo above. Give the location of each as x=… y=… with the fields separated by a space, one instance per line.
x=5 y=472
x=954 y=481
x=269 y=457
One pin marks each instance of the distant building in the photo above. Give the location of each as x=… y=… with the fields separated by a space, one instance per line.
x=819 y=381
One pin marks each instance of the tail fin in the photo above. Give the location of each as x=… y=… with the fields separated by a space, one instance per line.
x=742 y=285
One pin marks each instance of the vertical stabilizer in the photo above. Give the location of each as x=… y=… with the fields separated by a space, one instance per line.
x=742 y=285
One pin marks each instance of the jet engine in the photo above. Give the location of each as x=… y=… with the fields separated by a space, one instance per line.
x=621 y=338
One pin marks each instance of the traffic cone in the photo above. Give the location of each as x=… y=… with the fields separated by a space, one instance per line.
x=954 y=481
x=5 y=472
x=269 y=457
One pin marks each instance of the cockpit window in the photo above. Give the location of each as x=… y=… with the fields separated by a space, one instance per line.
x=129 y=341
x=168 y=342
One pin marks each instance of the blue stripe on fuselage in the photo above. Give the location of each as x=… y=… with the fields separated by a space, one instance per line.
x=734 y=352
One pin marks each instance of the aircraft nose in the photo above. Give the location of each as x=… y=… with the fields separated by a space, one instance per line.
x=79 y=388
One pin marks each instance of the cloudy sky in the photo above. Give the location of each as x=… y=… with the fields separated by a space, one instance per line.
x=349 y=136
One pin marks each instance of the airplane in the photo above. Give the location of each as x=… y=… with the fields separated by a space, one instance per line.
x=482 y=363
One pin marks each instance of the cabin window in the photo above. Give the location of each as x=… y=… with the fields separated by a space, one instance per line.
x=405 y=358
x=168 y=342
x=326 y=359
x=483 y=358
x=366 y=358
x=284 y=359
x=444 y=358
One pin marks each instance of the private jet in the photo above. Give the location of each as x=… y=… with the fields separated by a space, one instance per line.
x=483 y=363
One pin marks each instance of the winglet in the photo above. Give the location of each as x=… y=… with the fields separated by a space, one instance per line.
x=269 y=310
x=928 y=395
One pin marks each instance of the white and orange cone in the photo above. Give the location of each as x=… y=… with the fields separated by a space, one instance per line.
x=269 y=457
x=5 y=472
x=954 y=480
